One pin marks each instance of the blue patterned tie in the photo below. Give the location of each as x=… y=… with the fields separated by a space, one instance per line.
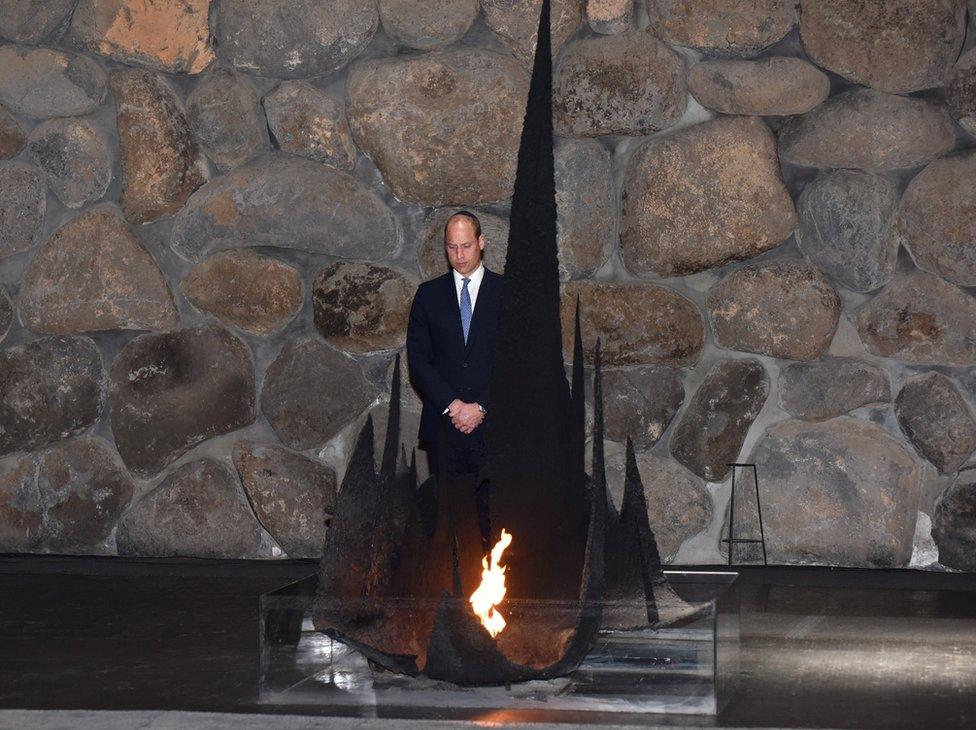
x=465 y=309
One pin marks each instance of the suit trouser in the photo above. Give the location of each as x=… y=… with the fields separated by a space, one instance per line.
x=462 y=455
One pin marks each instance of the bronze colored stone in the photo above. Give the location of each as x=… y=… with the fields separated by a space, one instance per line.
x=94 y=274
x=161 y=34
x=161 y=163
x=516 y=22
x=427 y=24
x=311 y=391
x=292 y=495
x=636 y=323
x=23 y=202
x=74 y=157
x=937 y=218
x=288 y=202
x=934 y=416
x=922 y=319
x=832 y=386
x=257 y=293
x=610 y=16
x=784 y=308
x=431 y=255
x=12 y=135
x=713 y=426
x=640 y=402
x=224 y=112
x=198 y=510
x=309 y=122
x=868 y=130
x=777 y=85
x=63 y=499
x=45 y=83
x=170 y=391
x=897 y=46
x=443 y=128
x=845 y=227
x=629 y=84
x=961 y=91
x=727 y=167
x=32 y=21
x=50 y=389
x=839 y=492
x=735 y=27
x=293 y=39
x=361 y=307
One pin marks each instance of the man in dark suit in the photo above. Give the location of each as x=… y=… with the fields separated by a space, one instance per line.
x=450 y=342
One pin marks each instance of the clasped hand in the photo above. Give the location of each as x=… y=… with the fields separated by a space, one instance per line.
x=466 y=417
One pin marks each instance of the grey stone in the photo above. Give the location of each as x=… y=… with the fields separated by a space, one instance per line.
x=637 y=324
x=733 y=27
x=922 y=319
x=256 y=293
x=777 y=85
x=954 y=522
x=94 y=274
x=897 y=46
x=833 y=386
x=309 y=122
x=937 y=218
x=443 y=128
x=63 y=499
x=161 y=162
x=287 y=202
x=50 y=389
x=361 y=307
x=868 y=130
x=840 y=492
x=6 y=313
x=934 y=416
x=713 y=426
x=32 y=21
x=165 y=36
x=430 y=252
x=610 y=16
x=292 y=495
x=74 y=157
x=224 y=112
x=728 y=167
x=427 y=24
x=783 y=308
x=845 y=227
x=170 y=391
x=23 y=202
x=960 y=92
x=595 y=90
x=311 y=391
x=45 y=83
x=586 y=207
x=639 y=403
x=516 y=22
x=198 y=510
x=409 y=396
x=12 y=135
x=295 y=39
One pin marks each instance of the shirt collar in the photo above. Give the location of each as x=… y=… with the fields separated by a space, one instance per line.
x=476 y=276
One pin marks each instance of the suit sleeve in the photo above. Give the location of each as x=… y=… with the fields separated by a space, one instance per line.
x=433 y=387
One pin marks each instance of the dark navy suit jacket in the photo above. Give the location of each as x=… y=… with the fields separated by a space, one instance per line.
x=441 y=365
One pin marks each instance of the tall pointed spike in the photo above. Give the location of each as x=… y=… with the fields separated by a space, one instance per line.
x=388 y=465
x=578 y=397
x=634 y=515
x=599 y=459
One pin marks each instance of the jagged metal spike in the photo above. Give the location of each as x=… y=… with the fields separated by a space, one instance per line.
x=599 y=459
x=633 y=516
x=578 y=396
x=389 y=463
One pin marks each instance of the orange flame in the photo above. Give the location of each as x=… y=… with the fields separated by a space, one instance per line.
x=492 y=589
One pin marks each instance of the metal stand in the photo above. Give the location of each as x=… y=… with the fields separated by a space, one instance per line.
x=731 y=539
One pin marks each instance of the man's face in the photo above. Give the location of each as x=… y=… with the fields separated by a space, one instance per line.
x=463 y=247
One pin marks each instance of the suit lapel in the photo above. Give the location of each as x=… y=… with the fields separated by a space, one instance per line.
x=450 y=291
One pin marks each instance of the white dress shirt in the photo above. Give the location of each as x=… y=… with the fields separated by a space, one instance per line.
x=473 y=285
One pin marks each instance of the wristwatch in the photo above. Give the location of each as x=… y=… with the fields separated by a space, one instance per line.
x=484 y=411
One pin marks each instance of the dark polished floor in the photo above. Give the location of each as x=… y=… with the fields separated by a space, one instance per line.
x=819 y=647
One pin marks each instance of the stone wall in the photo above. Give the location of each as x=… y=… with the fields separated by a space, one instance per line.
x=213 y=216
